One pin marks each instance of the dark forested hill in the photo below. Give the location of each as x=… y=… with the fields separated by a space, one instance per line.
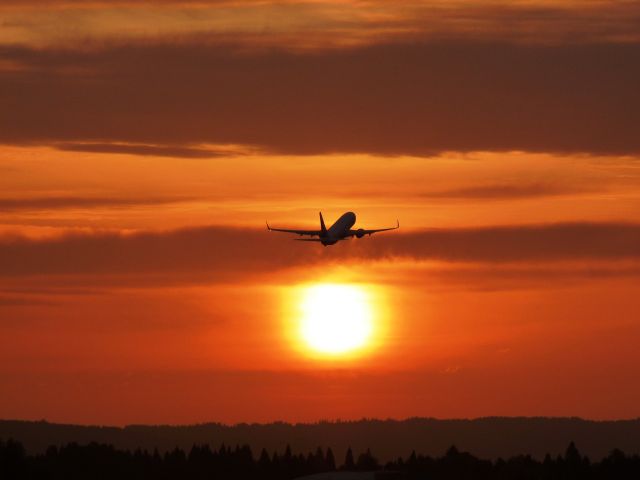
x=485 y=437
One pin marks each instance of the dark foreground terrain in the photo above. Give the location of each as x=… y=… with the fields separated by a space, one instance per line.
x=489 y=438
x=96 y=461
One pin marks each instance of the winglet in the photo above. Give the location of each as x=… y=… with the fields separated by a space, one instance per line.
x=397 y=223
x=268 y=227
x=322 y=226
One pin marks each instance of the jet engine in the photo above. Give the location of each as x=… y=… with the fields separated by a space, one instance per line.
x=360 y=233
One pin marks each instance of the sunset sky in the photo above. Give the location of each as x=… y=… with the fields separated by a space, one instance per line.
x=144 y=144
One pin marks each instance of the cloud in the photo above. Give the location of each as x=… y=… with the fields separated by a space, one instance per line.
x=212 y=250
x=510 y=276
x=503 y=192
x=219 y=253
x=555 y=242
x=23 y=301
x=320 y=24
x=63 y=202
x=142 y=149
x=402 y=98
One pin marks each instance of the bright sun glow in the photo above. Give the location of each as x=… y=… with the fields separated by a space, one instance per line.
x=335 y=319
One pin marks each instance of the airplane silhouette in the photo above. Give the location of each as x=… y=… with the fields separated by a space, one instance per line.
x=340 y=230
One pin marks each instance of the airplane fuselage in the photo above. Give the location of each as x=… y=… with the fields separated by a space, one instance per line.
x=339 y=230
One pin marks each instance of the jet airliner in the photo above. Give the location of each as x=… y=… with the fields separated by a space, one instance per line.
x=341 y=230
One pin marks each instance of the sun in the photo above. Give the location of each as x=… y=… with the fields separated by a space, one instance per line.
x=335 y=320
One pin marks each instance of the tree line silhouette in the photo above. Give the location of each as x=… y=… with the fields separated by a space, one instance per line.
x=100 y=461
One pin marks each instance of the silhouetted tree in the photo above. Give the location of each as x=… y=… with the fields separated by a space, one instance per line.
x=264 y=462
x=12 y=458
x=275 y=461
x=287 y=453
x=349 y=464
x=317 y=462
x=330 y=460
x=366 y=461
x=98 y=461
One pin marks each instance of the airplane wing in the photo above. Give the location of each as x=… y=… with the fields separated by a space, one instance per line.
x=311 y=233
x=361 y=232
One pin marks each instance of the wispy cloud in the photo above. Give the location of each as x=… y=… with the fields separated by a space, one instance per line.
x=64 y=202
x=504 y=191
x=179 y=151
x=321 y=24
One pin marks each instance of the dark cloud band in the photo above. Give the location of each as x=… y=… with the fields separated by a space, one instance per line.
x=217 y=251
x=414 y=99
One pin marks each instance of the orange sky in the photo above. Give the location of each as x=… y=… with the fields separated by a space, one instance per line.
x=142 y=147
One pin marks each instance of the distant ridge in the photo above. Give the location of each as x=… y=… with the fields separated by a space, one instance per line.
x=490 y=437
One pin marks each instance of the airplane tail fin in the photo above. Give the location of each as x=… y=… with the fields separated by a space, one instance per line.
x=323 y=229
